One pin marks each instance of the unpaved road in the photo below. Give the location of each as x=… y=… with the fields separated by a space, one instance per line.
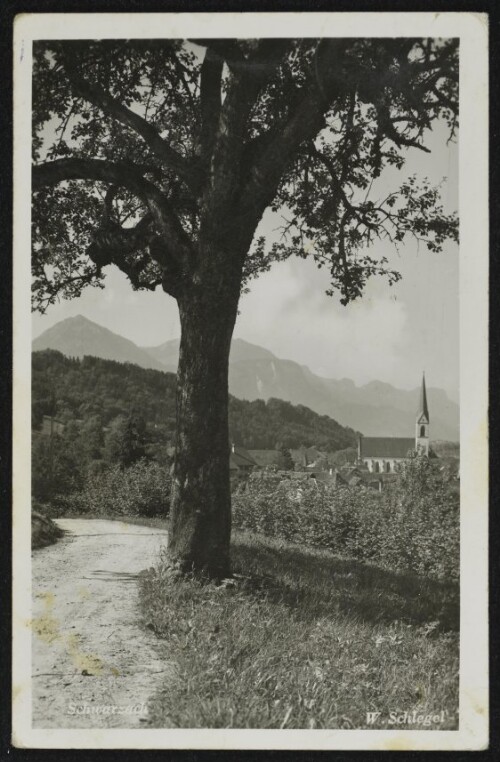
x=90 y=652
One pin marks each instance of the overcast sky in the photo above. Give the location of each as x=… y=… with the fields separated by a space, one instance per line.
x=392 y=334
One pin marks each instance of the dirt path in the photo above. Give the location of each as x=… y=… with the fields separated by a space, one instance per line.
x=90 y=653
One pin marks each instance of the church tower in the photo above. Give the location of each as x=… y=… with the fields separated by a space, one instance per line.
x=422 y=423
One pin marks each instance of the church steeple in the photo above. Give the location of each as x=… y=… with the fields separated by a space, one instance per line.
x=423 y=410
x=422 y=423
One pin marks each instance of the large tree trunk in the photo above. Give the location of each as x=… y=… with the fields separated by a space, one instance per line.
x=200 y=519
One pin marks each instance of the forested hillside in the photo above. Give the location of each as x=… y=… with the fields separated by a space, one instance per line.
x=102 y=393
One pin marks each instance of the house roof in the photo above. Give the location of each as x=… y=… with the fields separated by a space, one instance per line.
x=241 y=458
x=385 y=447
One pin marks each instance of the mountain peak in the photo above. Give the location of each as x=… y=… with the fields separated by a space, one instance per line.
x=76 y=319
x=78 y=336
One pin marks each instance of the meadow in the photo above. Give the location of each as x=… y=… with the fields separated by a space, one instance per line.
x=303 y=639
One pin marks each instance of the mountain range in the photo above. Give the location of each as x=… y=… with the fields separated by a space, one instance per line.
x=375 y=409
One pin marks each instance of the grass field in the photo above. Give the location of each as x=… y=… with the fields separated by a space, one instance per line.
x=303 y=639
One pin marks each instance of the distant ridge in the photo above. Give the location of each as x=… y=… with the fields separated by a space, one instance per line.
x=375 y=409
x=241 y=351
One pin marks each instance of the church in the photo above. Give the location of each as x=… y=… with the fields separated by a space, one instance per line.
x=381 y=454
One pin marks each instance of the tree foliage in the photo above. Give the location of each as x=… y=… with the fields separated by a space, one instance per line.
x=126 y=440
x=145 y=148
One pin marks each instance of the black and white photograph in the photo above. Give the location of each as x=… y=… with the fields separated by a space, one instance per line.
x=250 y=381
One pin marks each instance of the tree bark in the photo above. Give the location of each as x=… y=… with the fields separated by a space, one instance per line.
x=200 y=510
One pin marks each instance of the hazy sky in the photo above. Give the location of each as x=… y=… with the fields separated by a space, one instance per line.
x=392 y=334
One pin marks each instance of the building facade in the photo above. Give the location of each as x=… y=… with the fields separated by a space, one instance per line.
x=382 y=454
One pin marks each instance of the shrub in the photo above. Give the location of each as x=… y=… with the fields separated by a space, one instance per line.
x=43 y=530
x=412 y=527
x=143 y=489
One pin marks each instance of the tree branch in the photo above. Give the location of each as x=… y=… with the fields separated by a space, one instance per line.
x=225 y=50
x=244 y=85
x=328 y=163
x=210 y=100
x=124 y=174
x=130 y=249
x=127 y=176
x=328 y=81
x=112 y=107
x=387 y=128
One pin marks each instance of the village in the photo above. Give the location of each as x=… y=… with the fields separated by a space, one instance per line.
x=374 y=464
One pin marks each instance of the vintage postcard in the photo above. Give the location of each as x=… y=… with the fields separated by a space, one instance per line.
x=250 y=381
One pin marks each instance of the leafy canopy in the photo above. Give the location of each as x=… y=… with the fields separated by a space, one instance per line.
x=144 y=150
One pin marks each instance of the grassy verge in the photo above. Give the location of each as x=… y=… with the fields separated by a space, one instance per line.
x=303 y=640
x=143 y=521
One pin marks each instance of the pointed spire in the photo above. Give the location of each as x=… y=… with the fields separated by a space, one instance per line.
x=423 y=410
